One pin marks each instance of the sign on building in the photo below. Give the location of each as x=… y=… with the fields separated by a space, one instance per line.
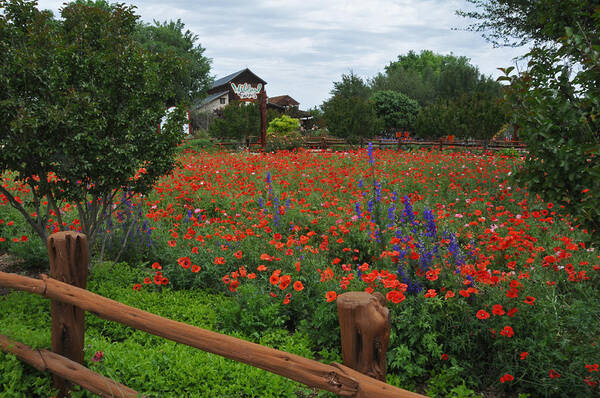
x=245 y=91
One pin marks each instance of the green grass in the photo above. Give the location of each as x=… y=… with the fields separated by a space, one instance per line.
x=151 y=365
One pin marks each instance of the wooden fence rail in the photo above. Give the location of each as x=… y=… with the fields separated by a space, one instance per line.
x=336 y=378
x=44 y=360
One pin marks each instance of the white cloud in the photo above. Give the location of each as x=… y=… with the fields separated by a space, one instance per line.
x=301 y=46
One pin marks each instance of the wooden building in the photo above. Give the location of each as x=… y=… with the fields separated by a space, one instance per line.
x=282 y=102
x=242 y=85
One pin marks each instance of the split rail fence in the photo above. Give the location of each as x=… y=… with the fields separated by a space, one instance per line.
x=68 y=255
x=332 y=143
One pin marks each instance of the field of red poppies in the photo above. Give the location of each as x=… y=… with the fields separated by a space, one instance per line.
x=488 y=285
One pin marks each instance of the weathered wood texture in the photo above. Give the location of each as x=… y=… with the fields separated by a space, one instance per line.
x=365 y=332
x=68 y=254
x=263 y=118
x=44 y=360
x=336 y=378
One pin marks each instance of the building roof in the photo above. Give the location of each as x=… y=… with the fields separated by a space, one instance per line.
x=228 y=78
x=283 y=100
x=211 y=98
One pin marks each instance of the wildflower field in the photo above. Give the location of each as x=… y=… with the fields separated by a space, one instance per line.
x=492 y=290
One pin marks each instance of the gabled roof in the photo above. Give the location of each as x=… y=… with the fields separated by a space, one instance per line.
x=211 y=98
x=228 y=78
x=283 y=100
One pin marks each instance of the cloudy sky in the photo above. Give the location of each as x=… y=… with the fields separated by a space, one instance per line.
x=300 y=47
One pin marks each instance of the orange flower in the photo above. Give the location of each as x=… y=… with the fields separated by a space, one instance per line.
x=261 y=268
x=284 y=281
x=395 y=296
x=298 y=286
x=219 y=260
x=330 y=296
x=185 y=262
x=196 y=268
x=274 y=279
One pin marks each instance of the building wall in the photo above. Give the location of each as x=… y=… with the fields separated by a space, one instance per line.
x=215 y=104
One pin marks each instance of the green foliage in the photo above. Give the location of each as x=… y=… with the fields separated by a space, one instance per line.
x=151 y=365
x=81 y=102
x=473 y=115
x=239 y=120
x=517 y=22
x=396 y=109
x=283 y=125
x=171 y=42
x=428 y=77
x=349 y=113
x=556 y=104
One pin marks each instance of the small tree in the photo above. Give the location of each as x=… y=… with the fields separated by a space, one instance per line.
x=395 y=109
x=80 y=102
x=349 y=113
x=283 y=125
x=238 y=120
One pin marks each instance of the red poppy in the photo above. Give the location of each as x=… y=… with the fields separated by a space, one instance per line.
x=298 y=286
x=524 y=355
x=482 y=314
x=498 y=310
x=274 y=279
x=506 y=377
x=185 y=262
x=511 y=312
x=330 y=296
x=395 y=296
x=507 y=331
x=529 y=300
x=592 y=368
x=137 y=286
x=553 y=374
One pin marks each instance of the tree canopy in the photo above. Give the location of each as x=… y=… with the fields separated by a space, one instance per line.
x=396 y=110
x=169 y=40
x=518 y=22
x=428 y=77
x=349 y=113
x=556 y=100
x=81 y=101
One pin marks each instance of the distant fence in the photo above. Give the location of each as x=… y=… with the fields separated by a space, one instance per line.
x=68 y=269
x=332 y=143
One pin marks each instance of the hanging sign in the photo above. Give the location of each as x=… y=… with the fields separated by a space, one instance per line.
x=245 y=91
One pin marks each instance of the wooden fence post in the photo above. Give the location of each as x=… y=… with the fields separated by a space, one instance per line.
x=365 y=331
x=68 y=253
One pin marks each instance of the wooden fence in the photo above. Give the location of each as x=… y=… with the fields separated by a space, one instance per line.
x=326 y=143
x=68 y=261
x=332 y=143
